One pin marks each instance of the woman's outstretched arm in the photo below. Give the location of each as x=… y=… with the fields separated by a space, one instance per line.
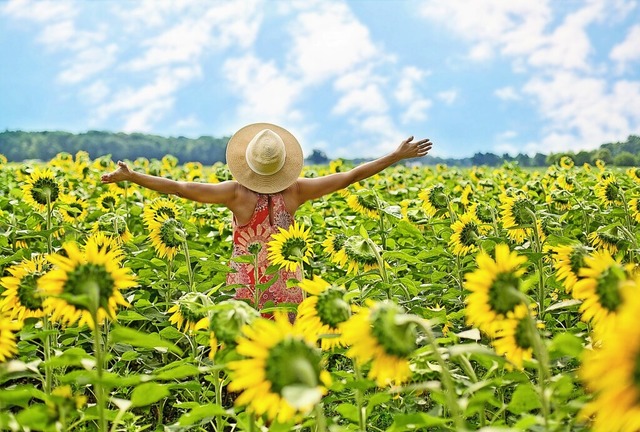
x=218 y=193
x=312 y=188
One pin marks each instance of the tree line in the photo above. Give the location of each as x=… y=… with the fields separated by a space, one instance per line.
x=18 y=146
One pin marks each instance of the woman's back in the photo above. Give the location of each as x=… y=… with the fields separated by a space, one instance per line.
x=270 y=214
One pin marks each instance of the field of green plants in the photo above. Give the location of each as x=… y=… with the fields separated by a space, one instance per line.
x=436 y=299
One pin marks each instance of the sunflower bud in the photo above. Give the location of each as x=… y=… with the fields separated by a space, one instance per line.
x=396 y=336
x=228 y=318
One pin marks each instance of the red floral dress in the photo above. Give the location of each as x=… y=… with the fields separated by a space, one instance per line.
x=258 y=232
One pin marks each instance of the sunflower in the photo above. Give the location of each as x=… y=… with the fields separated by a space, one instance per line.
x=281 y=363
x=566 y=162
x=566 y=183
x=434 y=201
x=514 y=338
x=568 y=260
x=606 y=239
x=73 y=209
x=167 y=235
x=467 y=231
x=334 y=246
x=107 y=242
x=559 y=199
x=21 y=298
x=360 y=253
x=365 y=203
x=108 y=201
x=634 y=174
x=336 y=166
x=41 y=188
x=160 y=207
x=610 y=372
x=634 y=207
x=323 y=311
x=609 y=192
x=600 y=164
x=494 y=288
x=226 y=321
x=374 y=334
x=8 y=328
x=190 y=313
x=82 y=280
x=516 y=214
x=114 y=226
x=289 y=248
x=604 y=285
x=482 y=211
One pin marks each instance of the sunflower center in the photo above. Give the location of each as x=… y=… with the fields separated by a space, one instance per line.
x=74 y=209
x=28 y=292
x=166 y=211
x=437 y=197
x=503 y=297
x=294 y=248
x=611 y=192
x=91 y=281
x=522 y=334
x=339 y=239
x=254 y=248
x=522 y=210
x=396 y=339
x=292 y=362
x=332 y=309
x=576 y=259
x=108 y=202
x=483 y=212
x=45 y=190
x=469 y=234
x=169 y=233
x=607 y=288
x=367 y=201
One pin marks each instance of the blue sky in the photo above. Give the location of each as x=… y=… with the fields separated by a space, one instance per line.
x=352 y=78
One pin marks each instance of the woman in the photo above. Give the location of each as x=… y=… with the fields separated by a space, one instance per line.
x=265 y=161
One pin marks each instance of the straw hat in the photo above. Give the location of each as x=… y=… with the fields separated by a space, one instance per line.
x=264 y=157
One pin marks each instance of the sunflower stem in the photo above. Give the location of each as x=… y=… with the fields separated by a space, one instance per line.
x=539 y=265
x=362 y=413
x=383 y=236
x=217 y=384
x=321 y=421
x=256 y=291
x=381 y=266
x=48 y=376
x=99 y=390
x=449 y=386
x=49 y=210
x=187 y=258
x=628 y=229
x=543 y=368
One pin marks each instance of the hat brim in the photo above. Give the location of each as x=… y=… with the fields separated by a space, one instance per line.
x=237 y=162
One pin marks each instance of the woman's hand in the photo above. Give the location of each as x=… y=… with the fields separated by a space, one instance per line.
x=410 y=149
x=122 y=173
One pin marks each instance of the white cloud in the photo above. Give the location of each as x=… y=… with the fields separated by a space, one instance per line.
x=448 y=96
x=39 y=11
x=96 y=92
x=368 y=99
x=627 y=51
x=409 y=96
x=507 y=93
x=328 y=41
x=89 y=62
x=264 y=91
x=583 y=112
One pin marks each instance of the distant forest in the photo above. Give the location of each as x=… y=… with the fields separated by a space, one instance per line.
x=18 y=146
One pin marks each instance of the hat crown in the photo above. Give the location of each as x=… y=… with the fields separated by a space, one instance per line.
x=266 y=152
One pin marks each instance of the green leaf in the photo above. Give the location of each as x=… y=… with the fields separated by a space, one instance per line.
x=563 y=304
x=197 y=414
x=377 y=399
x=415 y=421
x=524 y=399
x=141 y=339
x=19 y=396
x=348 y=411
x=130 y=315
x=567 y=344
x=177 y=372
x=148 y=393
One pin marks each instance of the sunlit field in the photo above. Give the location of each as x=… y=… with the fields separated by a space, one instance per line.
x=436 y=299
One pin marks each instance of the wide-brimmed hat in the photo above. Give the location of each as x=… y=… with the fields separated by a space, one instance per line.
x=264 y=157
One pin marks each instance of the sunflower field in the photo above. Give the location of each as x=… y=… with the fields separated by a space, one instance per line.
x=436 y=299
